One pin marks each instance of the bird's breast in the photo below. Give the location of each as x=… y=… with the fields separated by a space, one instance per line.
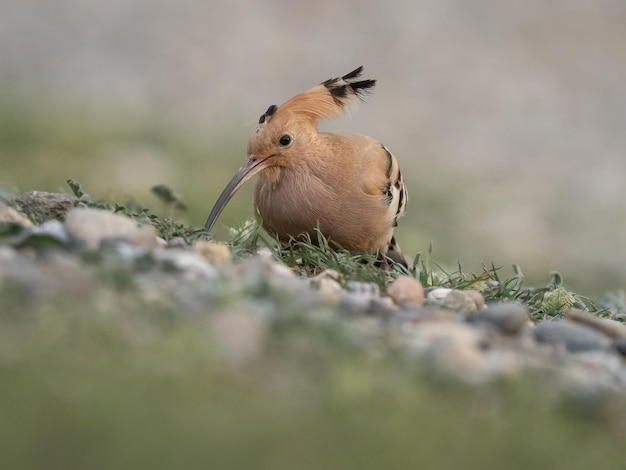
x=298 y=201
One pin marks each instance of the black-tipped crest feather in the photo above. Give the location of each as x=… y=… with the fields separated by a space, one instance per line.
x=355 y=73
x=271 y=110
x=342 y=87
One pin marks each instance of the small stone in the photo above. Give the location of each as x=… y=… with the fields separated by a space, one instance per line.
x=185 y=261
x=591 y=374
x=355 y=304
x=61 y=276
x=93 y=226
x=509 y=317
x=462 y=301
x=406 y=290
x=437 y=295
x=574 y=336
x=52 y=231
x=327 y=283
x=611 y=328
x=214 y=253
x=8 y=215
x=279 y=270
x=476 y=301
x=454 y=348
x=620 y=346
x=382 y=306
x=177 y=242
x=363 y=288
x=42 y=206
x=357 y=298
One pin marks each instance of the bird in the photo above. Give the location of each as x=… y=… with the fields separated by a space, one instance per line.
x=347 y=186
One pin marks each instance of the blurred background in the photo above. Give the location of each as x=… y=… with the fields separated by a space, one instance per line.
x=508 y=118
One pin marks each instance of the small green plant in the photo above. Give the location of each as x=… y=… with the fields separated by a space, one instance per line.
x=170 y=198
x=615 y=304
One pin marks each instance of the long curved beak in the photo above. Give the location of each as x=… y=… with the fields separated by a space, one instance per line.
x=250 y=168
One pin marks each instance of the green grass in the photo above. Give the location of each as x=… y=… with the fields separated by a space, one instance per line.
x=310 y=257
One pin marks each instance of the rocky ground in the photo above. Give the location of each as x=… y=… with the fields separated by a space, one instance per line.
x=453 y=333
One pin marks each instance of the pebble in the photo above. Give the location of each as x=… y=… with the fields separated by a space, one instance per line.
x=452 y=348
x=327 y=285
x=60 y=276
x=90 y=227
x=52 y=232
x=620 y=346
x=574 y=336
x=8 y=215
x=363 y=298
x=592 y=373
x=326 y=275
x=42 y=206
x=186 y=262
x=7 y=253
x=509 y=317
x=437 y=295
x=363 y=288
x=354 y=304
x=406 y=290
x=214 y=253
x=611 y=328
x=382 y=306
x=462 y=301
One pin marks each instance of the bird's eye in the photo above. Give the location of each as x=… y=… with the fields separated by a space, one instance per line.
x=285 y=140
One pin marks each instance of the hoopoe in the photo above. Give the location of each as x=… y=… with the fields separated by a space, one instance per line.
x=348 y=185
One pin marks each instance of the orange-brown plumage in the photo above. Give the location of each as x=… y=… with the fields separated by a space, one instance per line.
x=349 y=185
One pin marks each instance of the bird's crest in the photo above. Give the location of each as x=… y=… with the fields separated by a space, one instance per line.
x=326 y=100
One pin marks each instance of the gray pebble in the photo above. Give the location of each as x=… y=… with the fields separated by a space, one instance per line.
x=382 y=306
x=620 y=346
x=575 y=337
x=7 y=253
x=90 y=227
x=356 y=304
x=613 y=329
x=42 y=206
x=186 y=262
x=8 y=215
x=327 y=283
x=178 y=242
x=52 y=232
x=364 y=288
x=452 y=348
x=509 y=318
x=462 y=301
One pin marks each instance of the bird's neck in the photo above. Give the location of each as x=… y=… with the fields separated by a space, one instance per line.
x=270 y=176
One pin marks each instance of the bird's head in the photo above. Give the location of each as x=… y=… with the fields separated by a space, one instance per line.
x=286 y=133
